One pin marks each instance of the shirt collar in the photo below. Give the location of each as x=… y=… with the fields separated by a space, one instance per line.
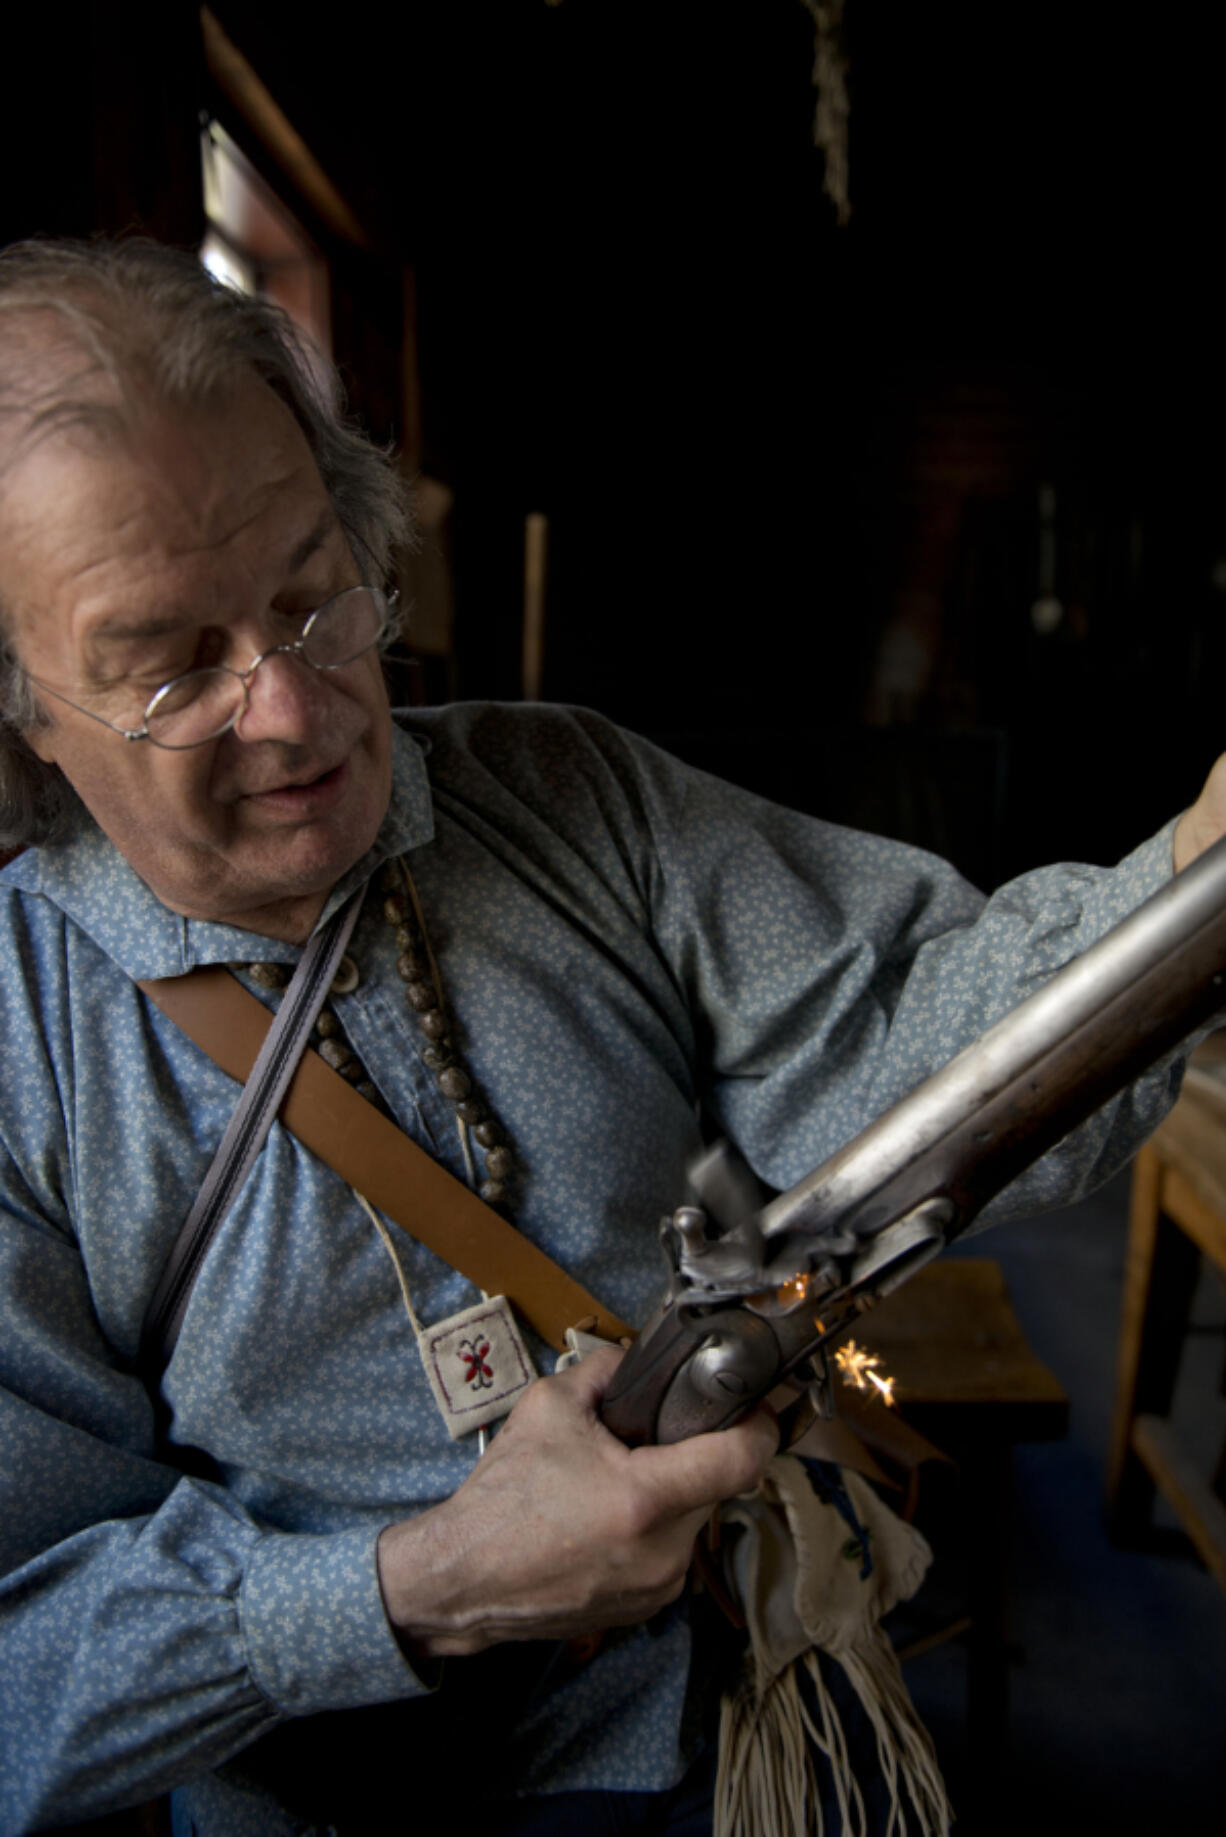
x=93 y=885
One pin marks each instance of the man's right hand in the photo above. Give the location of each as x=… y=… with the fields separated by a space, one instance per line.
x=560 y=1529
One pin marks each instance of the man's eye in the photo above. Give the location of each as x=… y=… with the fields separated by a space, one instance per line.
x=202 y=650
x=141 y=676
x=291 y=617
x=154 y=671
x=210 y=650
x=149 y=662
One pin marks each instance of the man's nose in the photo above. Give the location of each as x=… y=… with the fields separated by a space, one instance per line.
x=285 y=699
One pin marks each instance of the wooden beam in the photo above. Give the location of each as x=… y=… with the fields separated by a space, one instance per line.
x=536 y=543
x=239 y=82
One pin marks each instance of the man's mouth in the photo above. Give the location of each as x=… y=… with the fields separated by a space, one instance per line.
x=302 y=795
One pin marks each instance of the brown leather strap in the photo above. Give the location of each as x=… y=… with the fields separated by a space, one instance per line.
x=369 y=1152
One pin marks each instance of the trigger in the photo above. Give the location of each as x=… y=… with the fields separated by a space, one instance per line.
x=811 y=1399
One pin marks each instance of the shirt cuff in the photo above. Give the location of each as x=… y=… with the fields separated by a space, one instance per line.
x=316 y=1633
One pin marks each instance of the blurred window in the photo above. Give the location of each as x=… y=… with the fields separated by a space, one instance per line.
x=255 y=243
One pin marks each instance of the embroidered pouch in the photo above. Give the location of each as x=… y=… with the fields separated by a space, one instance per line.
x=477 y=1364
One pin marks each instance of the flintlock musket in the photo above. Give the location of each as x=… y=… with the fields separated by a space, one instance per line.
x=759 y=1286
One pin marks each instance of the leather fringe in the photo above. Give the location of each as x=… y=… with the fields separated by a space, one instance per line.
x=767 y=1781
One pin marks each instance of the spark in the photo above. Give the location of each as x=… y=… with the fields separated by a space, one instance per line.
x=862 y=1370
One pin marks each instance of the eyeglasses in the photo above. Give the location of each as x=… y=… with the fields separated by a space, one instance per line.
x=202 y=705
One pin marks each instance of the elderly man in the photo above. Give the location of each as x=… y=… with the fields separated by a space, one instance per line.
x=201 y=767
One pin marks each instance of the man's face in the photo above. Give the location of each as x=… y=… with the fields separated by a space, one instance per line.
x=206 y=537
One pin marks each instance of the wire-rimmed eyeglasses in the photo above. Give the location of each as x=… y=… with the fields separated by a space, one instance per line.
x=201 y=705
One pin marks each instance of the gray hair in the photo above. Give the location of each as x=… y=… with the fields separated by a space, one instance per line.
x=155 y=326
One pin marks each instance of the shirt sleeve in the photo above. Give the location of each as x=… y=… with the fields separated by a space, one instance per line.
x=829 y=972
x=149 y=1627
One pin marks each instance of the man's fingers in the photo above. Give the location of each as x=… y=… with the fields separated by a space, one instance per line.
x=1205 y=822
x=693 y=1475
x=569 y=1397
x=690 y=1475
x=591 y=1377
x=667 y=1482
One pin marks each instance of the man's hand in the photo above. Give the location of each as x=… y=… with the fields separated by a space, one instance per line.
x=1205 y=823
x=560 y=1529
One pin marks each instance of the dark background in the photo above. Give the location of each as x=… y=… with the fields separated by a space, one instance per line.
x=791 y=469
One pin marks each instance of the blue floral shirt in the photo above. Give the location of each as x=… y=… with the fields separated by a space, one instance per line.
x=633 y=953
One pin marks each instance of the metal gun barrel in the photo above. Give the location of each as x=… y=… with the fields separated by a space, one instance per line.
x=1051 y=1062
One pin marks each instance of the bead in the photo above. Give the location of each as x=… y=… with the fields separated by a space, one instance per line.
x=437 y=1056
x=353 y=1070
x=327 y=1026
x=488 y=1133
x=367 y=1090
x=347 y=977
x=389 y=877
x=498 y=1163
x=420 y=995
x=409 y=966
x=336 y=1053
x=493 y=1192
x=405 y=937
x=394 y=909
x=454 y=1083
x=433 y=1023
x=270 y=975
x=470 y=1111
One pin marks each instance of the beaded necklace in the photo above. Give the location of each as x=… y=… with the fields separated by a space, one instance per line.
x=418 y=970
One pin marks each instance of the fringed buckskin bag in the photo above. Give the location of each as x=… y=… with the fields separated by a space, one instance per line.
x=813 y=1570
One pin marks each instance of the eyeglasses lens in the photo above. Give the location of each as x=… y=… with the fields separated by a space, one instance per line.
x=195 y=708
x=204 y=703
x=344 y=628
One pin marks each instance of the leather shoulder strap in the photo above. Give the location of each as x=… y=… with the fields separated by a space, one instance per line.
x=370 y=1153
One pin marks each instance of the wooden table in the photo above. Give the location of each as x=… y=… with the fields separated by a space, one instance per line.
x=1178 y=1215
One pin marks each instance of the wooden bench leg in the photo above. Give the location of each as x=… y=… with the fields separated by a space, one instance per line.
x=1160 y=1274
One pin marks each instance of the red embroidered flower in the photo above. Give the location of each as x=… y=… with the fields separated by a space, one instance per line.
x=473 y=1353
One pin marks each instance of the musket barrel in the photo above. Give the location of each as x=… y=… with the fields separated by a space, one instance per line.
x=1057 y=1057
